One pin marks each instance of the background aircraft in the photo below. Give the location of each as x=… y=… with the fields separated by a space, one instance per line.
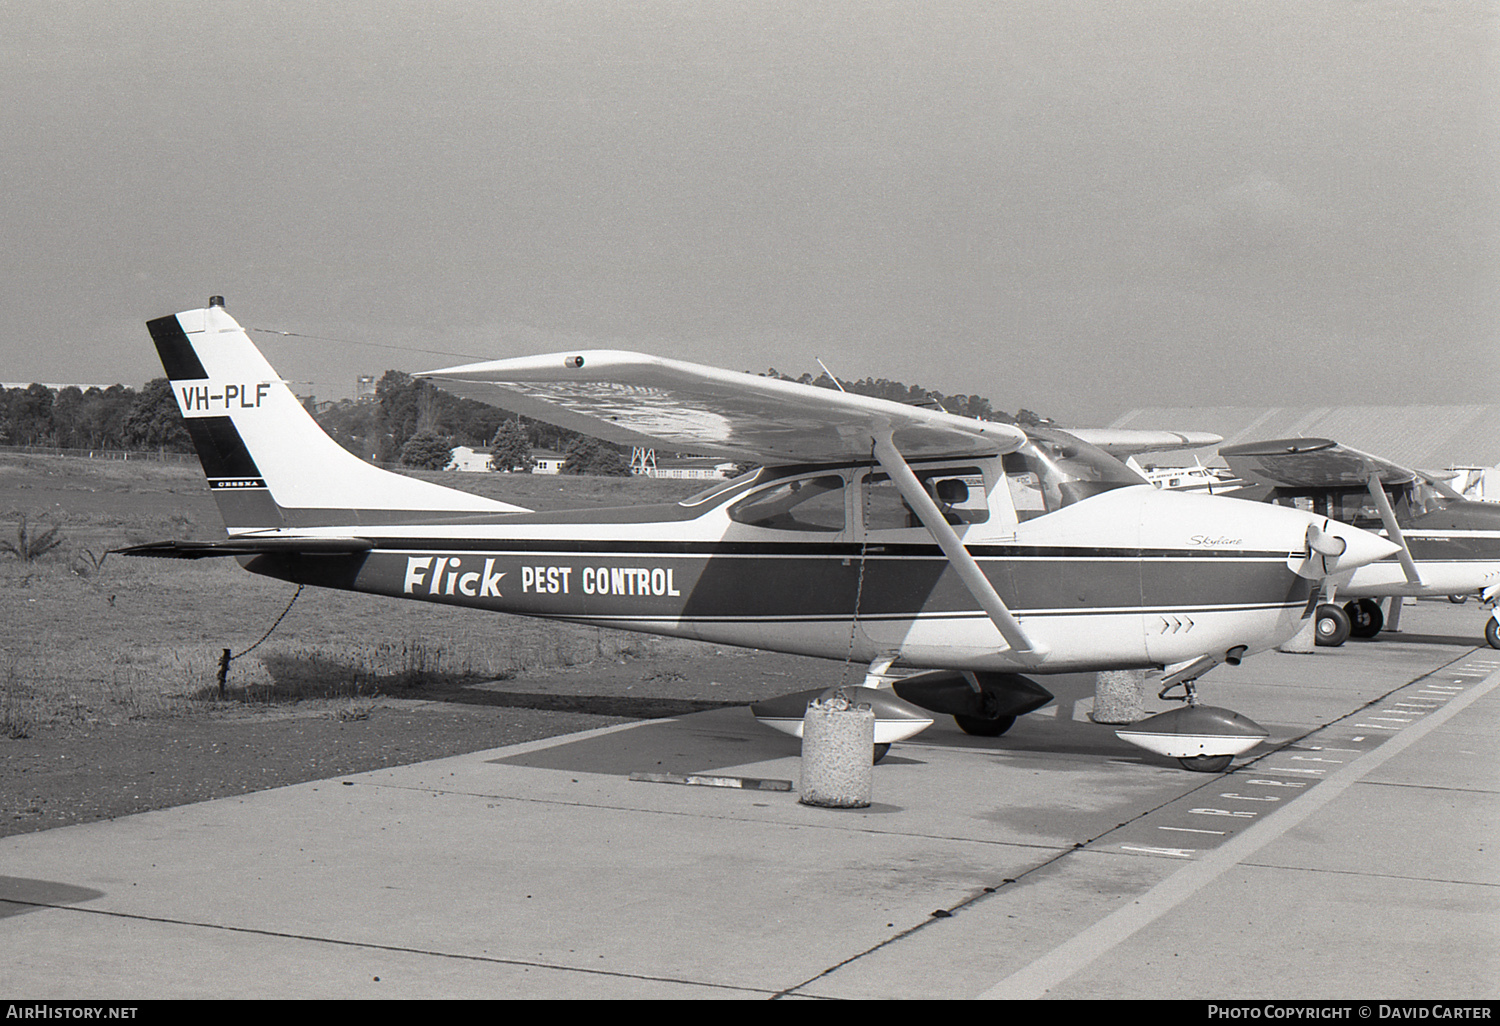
x=874 y=533
x=1197 y=478
x=1481 y=484
x=1448 y=545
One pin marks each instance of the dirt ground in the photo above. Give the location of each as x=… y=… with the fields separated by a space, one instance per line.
x=77 y=774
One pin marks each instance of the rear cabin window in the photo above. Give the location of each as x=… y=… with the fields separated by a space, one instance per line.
x=813 y=504
x=714 y=491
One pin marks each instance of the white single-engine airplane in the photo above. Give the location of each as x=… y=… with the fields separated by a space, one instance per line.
x=1449 y=545
x=890 y=535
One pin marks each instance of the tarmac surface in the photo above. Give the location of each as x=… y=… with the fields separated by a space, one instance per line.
x=1353 y=856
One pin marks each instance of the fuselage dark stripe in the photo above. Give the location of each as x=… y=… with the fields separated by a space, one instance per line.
x=758 y=550
x=940 y=617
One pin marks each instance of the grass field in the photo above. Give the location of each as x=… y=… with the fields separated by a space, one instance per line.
x=90 y=638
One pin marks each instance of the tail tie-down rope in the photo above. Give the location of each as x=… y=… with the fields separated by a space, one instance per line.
x=225 y=658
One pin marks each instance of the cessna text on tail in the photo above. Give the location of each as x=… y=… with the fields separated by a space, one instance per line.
x=960 y=552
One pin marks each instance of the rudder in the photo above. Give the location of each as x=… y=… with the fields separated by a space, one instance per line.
x=268 y=463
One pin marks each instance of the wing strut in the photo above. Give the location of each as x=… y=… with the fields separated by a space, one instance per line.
x=1392 y=529
x=958 y=557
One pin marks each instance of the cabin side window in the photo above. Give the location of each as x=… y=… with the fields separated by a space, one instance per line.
x=1350 y=506
x=1025 y=487
x=958 y=492
x=814 y=504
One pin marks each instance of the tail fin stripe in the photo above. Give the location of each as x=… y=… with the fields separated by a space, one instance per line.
x=177 y=356
x=221 y=449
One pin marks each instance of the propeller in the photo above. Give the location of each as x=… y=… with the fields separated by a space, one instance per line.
x=1324 y=543
x=1335 y=548
x=1323 y=551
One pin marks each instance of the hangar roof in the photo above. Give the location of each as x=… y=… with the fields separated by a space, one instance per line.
x=1422 y=437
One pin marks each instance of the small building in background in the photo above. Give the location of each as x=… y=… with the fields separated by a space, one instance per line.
x=545 y=461
x=693 y=468
x=468 y=461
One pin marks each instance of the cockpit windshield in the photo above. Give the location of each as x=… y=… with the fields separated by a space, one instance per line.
x=716 y=490
x=1054 y=469
x=1428 y=498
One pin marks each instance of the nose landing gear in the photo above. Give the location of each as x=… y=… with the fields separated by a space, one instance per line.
x=1202 y=738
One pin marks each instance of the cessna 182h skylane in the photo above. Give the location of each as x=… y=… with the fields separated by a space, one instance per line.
x=1449 y=545
x=891 y=535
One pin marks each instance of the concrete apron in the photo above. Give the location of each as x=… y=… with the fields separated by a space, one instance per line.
x=1055 y=860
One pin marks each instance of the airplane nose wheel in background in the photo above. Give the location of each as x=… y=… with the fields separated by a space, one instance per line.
x=1365 y=618
x=880 y=751
x=1206 y=763
x=1333 y=625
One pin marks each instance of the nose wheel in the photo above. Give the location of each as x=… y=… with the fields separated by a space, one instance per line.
x=1202 y=738
x=1206 y=763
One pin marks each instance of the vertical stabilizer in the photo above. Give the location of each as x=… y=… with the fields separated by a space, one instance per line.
x=269 y=465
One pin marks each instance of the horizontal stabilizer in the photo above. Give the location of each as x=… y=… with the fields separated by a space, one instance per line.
x=1195 y=731
x=895 y=719
x=249 y=547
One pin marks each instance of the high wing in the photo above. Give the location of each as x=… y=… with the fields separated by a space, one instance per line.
x=1311 y=463
x=1323 y=463
x=1123 y=442
x=634 y=399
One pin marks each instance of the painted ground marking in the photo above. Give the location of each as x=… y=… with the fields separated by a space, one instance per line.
x=1067 y=959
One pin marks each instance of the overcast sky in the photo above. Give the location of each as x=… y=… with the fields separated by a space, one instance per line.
x=1072 y=207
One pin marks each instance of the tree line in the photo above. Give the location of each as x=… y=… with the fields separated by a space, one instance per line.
x=116 y=417
x=411 y=422
x=976 y=406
